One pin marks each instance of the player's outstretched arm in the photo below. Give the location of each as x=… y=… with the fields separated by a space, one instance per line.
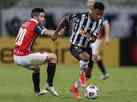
x=60 y=27
x=51 y=33
x=41 y=30
x=48 y=32
x=62 y=24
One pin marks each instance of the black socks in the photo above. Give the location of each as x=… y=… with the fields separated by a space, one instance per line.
x=51 y=68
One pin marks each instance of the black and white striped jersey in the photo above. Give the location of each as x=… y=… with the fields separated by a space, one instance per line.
x=82 y=28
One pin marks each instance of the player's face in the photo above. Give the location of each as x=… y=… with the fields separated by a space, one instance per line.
x=96 y=14
x=41 y=17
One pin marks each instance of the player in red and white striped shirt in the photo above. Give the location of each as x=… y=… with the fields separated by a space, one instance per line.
x=24 y=56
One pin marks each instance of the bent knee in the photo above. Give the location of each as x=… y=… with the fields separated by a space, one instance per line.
x=85 y=56
x=36 y=69
x=52 y=58
x=96 y=57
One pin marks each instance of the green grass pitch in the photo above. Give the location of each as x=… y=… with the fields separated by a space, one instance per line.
x=16 y=84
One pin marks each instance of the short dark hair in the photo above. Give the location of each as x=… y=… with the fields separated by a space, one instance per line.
x=36 y=11
x=99 y=5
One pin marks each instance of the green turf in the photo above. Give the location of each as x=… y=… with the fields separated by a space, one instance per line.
x=16 y=86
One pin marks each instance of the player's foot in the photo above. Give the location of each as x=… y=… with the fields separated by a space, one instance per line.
x=104 y=76
x=75 y=92
x=39 y=93
x=52 y=91
x=43 y=92
x=82 y=79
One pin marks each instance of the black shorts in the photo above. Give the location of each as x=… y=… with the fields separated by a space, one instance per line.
x=75 y=51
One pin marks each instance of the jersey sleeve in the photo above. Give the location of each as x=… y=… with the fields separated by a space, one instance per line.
x=105 y=21
x=73 y=16
x=40 y=29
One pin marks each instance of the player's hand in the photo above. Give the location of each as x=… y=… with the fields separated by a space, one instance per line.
x=61 y=32
x=54 y=37
x=93 y=38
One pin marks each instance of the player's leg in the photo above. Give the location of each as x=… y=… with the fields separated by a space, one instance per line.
x=84 y=62
x=51 y=69
x=97 y=58
x=88 y=71
x=36 y=80
x=84 y=65
x=89 y=68
x=102 y=68
x=84 y=58
x=35 y=59
x=79 y=54
x=51 y=59
x=25 y=63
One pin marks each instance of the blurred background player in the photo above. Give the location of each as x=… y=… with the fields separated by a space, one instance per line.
x=103 y=37
x=24 y=56
x=85 y=28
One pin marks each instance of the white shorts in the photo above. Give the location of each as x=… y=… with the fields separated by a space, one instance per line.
x=95 y=46
x=31 y=59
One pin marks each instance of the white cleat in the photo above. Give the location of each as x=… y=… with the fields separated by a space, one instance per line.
x=104 y=77
x=38 y=94
x=52 y=91
x=43 y=92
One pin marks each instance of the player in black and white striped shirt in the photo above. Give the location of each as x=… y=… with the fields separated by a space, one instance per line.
x=84 y=29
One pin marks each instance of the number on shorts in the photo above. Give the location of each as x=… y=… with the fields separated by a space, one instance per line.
x=20 y=36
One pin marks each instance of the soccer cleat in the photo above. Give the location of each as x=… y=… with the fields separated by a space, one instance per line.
x=43 y=92
x=75 y=92
x=83 y=79
x=104 y=76
x=38 y=94
x=52 y=91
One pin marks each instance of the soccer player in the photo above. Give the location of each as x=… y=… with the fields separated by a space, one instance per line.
x=103 y=37
x=24 y=56
x=85 y=28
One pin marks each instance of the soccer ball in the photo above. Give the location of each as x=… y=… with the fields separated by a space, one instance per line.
x=92 y=92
